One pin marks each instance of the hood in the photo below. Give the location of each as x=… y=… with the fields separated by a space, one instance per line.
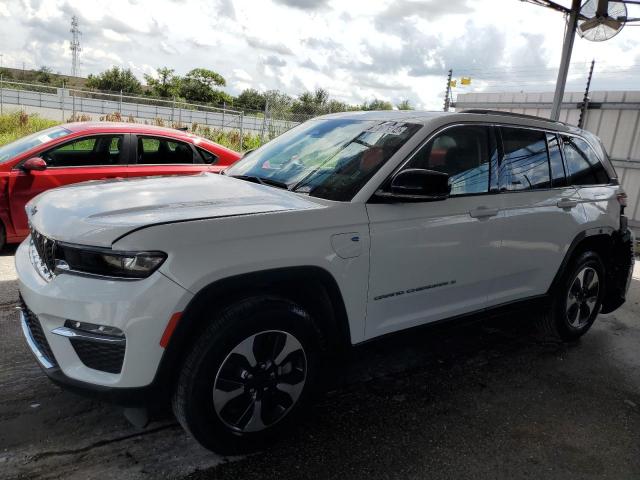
x=97 y=213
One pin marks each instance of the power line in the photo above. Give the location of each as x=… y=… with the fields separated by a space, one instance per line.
x=75 y=46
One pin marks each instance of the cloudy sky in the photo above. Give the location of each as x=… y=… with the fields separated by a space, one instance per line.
x=356 y=49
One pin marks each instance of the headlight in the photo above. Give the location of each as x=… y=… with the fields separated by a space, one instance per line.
x=106 y=262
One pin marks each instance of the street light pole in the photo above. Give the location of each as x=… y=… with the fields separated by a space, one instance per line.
x=567 y=48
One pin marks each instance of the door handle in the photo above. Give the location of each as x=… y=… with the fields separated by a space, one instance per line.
x=566 y=203
x=483 y=212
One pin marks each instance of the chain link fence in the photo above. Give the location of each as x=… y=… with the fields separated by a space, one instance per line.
x=238 y=127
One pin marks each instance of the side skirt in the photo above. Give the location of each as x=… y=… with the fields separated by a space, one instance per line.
x=535 y=303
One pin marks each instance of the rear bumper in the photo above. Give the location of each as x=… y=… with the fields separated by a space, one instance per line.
x=619 y=270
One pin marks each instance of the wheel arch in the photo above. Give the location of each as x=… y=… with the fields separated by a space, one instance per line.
x=312 y=287
x=601 y=240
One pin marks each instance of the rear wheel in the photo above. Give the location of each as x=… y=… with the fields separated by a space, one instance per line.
x=249 y=375
x=578 y=298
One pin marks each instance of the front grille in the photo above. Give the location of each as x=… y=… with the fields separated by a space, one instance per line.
x=100 y=356
x=37 y=333
x=45 y=249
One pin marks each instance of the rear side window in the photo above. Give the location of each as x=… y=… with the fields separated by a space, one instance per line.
x=558 y=177
x=465 y=153
x=583 y=165
x=525 y=164
x=207 y=156
x=160 y=151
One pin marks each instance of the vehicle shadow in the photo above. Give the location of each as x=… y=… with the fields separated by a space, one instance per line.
x=8 y=250
x=487 y=399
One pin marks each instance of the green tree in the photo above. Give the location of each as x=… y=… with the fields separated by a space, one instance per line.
x=377 y=104
x=6 y=74
x=278 y=99
x=115 y=79
x=166 y=85
x=251 y=99
x=312 y=103
x=44 y=75
x=198 y=86
x=404 y=105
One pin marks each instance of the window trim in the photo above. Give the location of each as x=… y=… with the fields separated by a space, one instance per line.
x=123 y=152
x=498 y=138
x=136 y=136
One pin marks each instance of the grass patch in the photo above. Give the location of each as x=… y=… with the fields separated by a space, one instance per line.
x=18 y=124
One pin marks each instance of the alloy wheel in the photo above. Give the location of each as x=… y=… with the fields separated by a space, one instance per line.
x=582 y=297
x=260 y=381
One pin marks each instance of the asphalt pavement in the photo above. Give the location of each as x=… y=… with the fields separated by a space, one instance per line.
x=487 y=400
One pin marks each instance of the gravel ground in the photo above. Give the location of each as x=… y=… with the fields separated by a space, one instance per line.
x=488 y=400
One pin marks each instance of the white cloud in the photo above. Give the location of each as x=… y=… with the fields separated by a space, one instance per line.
x=114 y=36
x=240 y=74
x=357 y=50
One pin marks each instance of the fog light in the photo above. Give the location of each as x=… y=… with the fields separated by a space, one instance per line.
x=94 y=329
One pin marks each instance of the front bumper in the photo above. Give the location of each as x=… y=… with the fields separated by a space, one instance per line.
x=120 y=396
x=141 y=309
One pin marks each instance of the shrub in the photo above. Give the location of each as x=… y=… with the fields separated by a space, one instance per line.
x=18 y=124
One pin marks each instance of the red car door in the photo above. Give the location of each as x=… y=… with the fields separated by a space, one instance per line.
x=157 y=155
x=92 y=157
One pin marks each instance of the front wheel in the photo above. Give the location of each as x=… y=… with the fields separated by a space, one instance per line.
x=577 y=299
x=248 y=375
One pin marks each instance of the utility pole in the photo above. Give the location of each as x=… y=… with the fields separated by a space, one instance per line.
x=447 y=94
x=567 y=48
x=75 y=46
x=585 y=99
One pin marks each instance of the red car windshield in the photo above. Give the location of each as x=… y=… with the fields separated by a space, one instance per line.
x=20 y=146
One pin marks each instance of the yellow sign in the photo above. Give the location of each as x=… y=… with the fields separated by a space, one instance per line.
x=465 y=81
x=453 y=83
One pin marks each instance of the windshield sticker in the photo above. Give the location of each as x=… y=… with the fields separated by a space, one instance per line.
x=44 y=138
x=389 y=128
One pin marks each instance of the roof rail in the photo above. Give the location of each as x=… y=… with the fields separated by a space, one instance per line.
x=510 y=114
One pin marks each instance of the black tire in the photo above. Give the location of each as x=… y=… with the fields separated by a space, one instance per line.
x=193 y=400
x=566 y=323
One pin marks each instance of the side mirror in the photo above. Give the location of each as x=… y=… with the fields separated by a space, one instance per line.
x=417 y=185
x=34 y=164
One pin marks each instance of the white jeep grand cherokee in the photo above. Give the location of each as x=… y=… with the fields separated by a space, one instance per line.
x=227 y=293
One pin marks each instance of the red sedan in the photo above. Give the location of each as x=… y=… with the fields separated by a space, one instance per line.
x=77 y=152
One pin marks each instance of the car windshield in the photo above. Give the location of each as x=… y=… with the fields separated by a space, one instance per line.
x=327 y=158
x=18 y=147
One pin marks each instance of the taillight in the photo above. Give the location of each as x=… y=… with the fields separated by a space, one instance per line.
x=622 y=199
